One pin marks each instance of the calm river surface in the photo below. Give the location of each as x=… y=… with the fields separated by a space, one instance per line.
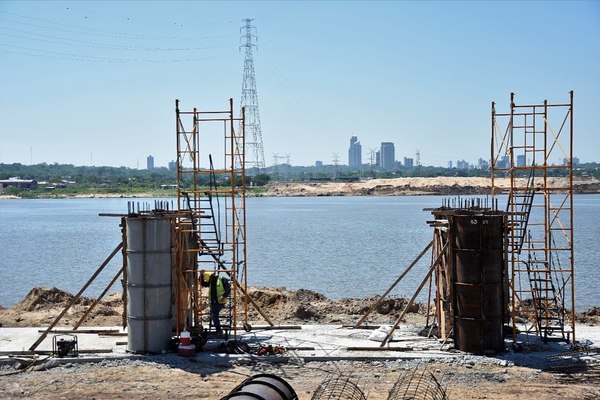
x=339 y=246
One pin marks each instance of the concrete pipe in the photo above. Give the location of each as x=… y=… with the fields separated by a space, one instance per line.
x=263 y=387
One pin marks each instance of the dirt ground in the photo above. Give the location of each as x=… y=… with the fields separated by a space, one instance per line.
x=41 y=306
x=375 y=379
x=174 y=377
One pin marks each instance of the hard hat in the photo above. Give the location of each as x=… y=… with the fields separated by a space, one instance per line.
x=206 y=276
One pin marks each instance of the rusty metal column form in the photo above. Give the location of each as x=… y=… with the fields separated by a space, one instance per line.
x=532 y=146
x=211 y=223
x=470 y=279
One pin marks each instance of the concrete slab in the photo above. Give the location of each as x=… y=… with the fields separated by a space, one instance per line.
x=305 y=343
x=310 y=341
x=335 y=342
x=20 y=340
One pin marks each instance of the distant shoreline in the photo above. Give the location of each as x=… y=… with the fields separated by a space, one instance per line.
x=373 y=187
x=414 y=187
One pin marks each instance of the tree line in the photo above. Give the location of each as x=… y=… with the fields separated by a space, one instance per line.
x=70 y=179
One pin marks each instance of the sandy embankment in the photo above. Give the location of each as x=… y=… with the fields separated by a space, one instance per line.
x=414 y=186
x=42 y=305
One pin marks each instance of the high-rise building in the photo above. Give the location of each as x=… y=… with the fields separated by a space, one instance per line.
x=354 y=153
x=504 y=162
x=520 y=160
x=450 y=164
x=462 y=164
x=565 y=161
x=408 y=162
x=482 y=164
x=150 y=162
x=172 y=166
x=387 y=155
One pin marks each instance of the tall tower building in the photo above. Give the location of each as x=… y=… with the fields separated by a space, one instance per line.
x=255 y=156
x=354 y=153
x=150 y=162
x=387 y=155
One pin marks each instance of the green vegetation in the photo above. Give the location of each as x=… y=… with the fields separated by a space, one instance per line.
x=65 y=180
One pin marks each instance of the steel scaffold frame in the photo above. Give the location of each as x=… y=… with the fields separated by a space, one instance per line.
x=205 y=240
x=541 y=260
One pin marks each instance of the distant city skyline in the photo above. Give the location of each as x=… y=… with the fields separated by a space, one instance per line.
x=101 y=78
x=149 y=162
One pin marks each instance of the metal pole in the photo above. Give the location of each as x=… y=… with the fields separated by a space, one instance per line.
x=245 y=265
x=124 y=280
x=234 y=220
x=77 y=296
x=394 y=284
x=572 y=238
x=410 y=302
x=95 y=303
x=492 y=155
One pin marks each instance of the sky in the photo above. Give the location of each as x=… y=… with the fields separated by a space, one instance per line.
x=95 y=82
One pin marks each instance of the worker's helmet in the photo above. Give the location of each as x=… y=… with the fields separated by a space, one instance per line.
x=205 y=276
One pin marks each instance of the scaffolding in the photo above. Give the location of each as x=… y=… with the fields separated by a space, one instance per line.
x=211 y=222
x=532 y=146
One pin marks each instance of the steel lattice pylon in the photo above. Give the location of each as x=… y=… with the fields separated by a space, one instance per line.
x=526 y=144
x=255 y=161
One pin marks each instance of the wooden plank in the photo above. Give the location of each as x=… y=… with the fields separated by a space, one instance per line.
x=70 y=331
x=368 y=348
x=274 y=327
x=47 y=352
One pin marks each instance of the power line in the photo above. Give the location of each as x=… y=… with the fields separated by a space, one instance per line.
x=92 y=31
x=39 y=37
x=28 y=51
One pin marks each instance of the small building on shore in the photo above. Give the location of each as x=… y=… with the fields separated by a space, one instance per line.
x=18 y=183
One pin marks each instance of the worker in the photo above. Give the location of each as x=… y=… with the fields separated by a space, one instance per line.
x=218 y=293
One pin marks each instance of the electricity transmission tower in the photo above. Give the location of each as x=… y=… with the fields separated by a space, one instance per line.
x=336 y=163
x=372 y=158
x=255 y=156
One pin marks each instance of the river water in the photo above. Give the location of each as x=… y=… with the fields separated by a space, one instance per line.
x=339 y=246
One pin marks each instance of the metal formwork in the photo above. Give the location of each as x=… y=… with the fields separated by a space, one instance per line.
x=470 y=289
x=148 y=283
x=211 y=223
x=477 y=258
x=532 y=145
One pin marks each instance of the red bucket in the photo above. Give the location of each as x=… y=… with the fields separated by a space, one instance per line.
x=187 y=351
x=185 y=338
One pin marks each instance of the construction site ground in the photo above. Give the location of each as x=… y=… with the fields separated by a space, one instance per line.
x=317 y=343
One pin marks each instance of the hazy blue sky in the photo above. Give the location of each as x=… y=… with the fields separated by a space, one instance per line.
x=95 y=82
